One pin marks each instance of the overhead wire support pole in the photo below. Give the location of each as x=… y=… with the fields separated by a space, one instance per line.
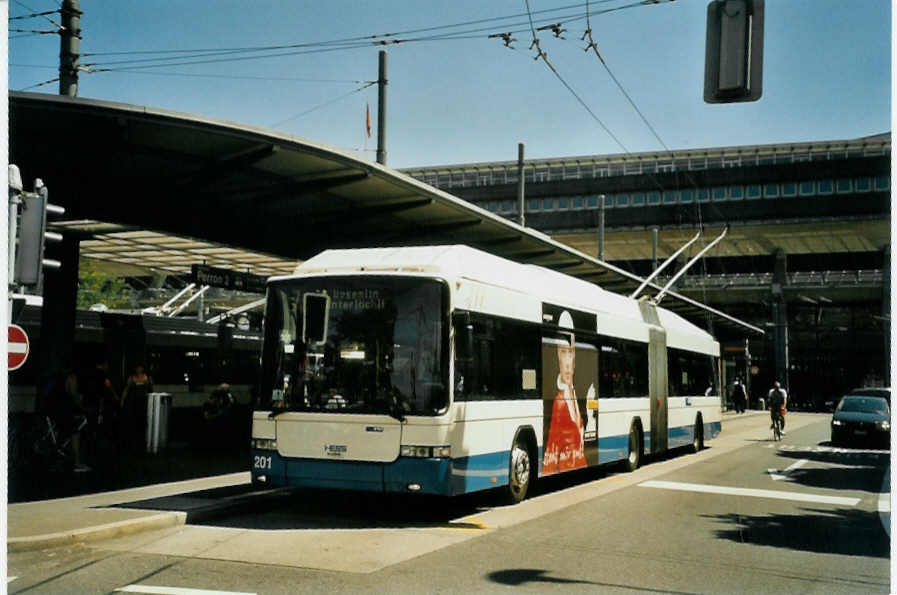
x=69 y=47
x=666 y=263
x=521 y=183
x=601 y=206
x=381 y=109
x=694 y=259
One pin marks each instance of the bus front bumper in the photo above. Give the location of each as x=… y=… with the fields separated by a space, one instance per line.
x=404 y=475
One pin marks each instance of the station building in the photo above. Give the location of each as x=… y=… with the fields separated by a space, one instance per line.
x=806 y=258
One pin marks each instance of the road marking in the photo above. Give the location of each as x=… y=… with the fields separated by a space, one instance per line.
x=10 y=579
x=776 y=476
x=174 y=591
x=835 y=449
x=775 y=494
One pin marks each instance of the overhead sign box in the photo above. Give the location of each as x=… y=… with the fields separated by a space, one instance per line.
x=228 y=279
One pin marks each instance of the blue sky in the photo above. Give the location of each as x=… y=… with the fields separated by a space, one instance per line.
x=826 y=72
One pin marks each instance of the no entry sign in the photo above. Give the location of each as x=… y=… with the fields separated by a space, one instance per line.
x=18 y=347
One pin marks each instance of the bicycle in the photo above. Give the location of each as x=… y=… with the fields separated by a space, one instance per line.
x=778 y=423
x=52 y=448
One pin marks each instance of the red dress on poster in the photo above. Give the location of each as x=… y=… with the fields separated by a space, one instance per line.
x=564 y=449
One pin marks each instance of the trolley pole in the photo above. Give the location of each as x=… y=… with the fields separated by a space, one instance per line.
x=520 y=185
x=69 y=47
x=381 y=110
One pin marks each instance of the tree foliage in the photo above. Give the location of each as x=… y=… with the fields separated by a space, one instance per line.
x=99 y=287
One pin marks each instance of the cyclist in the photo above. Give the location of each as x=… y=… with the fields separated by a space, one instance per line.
x=777 y=399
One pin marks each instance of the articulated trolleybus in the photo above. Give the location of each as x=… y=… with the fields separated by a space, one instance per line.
x=446 y=370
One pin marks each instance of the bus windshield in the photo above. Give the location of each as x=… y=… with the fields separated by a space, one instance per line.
x=384 y=351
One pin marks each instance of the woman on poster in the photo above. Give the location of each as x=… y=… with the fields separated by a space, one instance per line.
x=564 y=447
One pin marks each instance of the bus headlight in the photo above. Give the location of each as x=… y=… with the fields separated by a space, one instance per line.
x=426 y=452
x=837 y=422
x=883 y=425
x=264 y=444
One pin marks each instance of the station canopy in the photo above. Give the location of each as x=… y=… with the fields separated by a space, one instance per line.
x=162 y=190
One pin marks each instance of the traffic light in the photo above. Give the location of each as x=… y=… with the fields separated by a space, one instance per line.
x=733 y=64
x=33 y=234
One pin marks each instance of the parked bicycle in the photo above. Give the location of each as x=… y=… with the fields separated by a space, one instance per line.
x=54 y=447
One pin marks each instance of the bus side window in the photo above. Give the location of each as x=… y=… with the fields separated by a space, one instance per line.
x=492 y=357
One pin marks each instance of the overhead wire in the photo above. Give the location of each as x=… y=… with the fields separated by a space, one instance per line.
x=41 y=14
x=237 y=76
x=203 y=55
x=39 y=84
x=323 y=105
x=594 y=46
x=32 y=15
x=35 y=31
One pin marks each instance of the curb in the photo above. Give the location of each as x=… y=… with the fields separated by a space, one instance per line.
x=117 y=529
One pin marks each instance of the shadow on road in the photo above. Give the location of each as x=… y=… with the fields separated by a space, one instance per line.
x=516 y=577
x=847 y=532
x=335 y=509
x=862 y=470
x=254 y=507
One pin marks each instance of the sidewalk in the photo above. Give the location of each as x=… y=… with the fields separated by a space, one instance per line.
x=54 y=507
x=77 y=509
x=50 y=523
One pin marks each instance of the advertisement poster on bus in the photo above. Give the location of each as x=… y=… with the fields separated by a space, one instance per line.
x=569 y=392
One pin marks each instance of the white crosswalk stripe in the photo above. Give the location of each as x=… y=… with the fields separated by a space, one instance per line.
x=729 y=491
x=159 y=590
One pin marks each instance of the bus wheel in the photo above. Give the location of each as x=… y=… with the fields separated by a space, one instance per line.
x=697 y=443
x=520 y=472
x=635 y=449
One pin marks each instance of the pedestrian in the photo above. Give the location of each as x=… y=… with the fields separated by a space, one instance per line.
x=134 y=401
x=102 y=406
x=739 y=396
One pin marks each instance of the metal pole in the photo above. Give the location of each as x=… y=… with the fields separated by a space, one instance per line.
x=381 y=110
x=15 y=190
x=69 y=47
x=520 y=184
x=654 y=231
x=600 y=227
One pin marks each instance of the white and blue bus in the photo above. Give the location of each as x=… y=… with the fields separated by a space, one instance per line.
x=447 y=370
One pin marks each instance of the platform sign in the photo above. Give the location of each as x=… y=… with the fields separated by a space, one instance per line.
x=228 y=279
x=17 y=347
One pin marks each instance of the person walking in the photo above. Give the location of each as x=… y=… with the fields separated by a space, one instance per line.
x=739 y=396
x=134 y=400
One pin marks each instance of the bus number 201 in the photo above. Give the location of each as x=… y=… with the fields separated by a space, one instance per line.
x=261 y=463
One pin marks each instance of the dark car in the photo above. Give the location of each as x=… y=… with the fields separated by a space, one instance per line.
x=860 y=418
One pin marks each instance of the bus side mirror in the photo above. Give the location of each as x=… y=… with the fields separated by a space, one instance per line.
x=315 y=318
